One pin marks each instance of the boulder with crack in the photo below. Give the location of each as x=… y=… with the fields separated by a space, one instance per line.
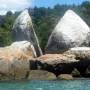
x=23 y=30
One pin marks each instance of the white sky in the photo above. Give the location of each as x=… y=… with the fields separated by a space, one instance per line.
x=13 y=5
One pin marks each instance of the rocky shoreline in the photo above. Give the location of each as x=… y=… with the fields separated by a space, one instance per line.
x=67 y=54
x=19 y=63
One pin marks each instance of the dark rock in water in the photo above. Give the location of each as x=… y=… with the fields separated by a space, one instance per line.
x=65 y=77
x=23 y=30
x=71 y=31
x=41 y=75
x=75 y=73
x=82 y=66
x=87 y=71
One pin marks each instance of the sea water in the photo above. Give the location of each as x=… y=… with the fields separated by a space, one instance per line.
x=79 y=84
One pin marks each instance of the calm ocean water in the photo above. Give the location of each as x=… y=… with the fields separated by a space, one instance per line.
x=81 y=84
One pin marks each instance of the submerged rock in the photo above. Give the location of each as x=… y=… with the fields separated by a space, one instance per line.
x=23 y=30
x=71 y=31
x=65 y=77
x=41 y=75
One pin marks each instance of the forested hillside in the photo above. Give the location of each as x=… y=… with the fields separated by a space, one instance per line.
x=44 y=20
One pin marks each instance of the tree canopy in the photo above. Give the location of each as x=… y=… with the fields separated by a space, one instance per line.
x=44 y=20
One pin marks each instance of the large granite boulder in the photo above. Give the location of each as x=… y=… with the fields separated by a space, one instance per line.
x=23 y=30
x=14 y=60
x=24 y=46
x=56 y=63
x=71 y=31
x=79 y=52
x=83 y=55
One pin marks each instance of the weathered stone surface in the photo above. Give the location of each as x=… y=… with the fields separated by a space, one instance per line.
x=79 y=52
x=41 y=75
x=65 y=77
x=83 y=55
x=56 y=63
x=23 y=30
x=14 y=60
x=54 y=59
x=25 y=47
x=71 y=31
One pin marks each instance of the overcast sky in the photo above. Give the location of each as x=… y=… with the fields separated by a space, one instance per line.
x=13 y=5
x=18 y=5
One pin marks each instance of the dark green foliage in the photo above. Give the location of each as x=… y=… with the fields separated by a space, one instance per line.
x=6 y=23
x=44 y=20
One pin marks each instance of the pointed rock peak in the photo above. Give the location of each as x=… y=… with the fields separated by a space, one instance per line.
x=71 y=31
x=70 y=12
x=23 y=31
x=23 y=18
x=70 y=17
x=25 y=12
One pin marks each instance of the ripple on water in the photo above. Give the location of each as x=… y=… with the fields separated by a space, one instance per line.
x=39 y=88
x=80 y=84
